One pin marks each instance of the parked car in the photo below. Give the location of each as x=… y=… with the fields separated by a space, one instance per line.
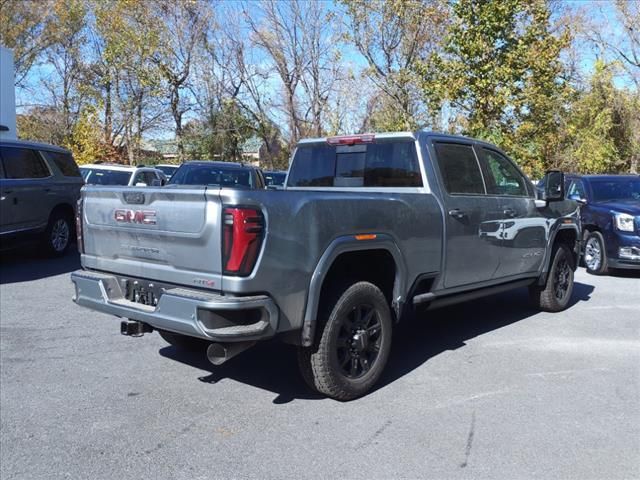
x=219 y=174
x=114 y=174
x=367 y=228
x=610 y=216
x=274 y=178
x=39 y=188
x=167 y=169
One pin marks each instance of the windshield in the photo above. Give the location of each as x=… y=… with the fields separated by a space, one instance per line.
x=212 y=175
x=274 y=178
x=106 y=177
x=168 y=170
x=615 y=189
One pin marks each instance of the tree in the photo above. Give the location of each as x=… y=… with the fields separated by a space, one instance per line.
x=181 y=26
x=501 y=76
x=277 y=29
x=125 y=39
x=394 y=37
x=85 y=141
x=24 y=28
x=599 y=128
x=41 y=124
x=67 y=87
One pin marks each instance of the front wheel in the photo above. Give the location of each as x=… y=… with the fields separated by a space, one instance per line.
x=353 y=343
x=595 y=257
x=554 y=296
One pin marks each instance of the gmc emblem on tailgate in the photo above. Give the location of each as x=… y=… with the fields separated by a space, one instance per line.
x=143 y=217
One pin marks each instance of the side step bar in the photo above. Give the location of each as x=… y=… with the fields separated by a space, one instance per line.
x=433 y=301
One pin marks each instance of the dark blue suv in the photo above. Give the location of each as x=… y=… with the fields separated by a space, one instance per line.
x=610 y=216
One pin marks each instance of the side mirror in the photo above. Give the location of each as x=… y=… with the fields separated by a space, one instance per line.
x=157 y=183
x=554 y=186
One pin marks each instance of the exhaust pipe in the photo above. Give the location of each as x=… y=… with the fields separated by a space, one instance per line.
x=218 y=353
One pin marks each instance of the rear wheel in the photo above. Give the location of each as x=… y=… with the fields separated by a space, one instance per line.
x=554 y=296
x=57 y=236
x=352 y=344
x=595 y=256
x=183 y=342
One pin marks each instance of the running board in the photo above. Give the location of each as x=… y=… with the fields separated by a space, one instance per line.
x=433 y=301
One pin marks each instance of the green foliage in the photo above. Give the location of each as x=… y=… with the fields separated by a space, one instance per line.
x=600 y=137
x=221 y=137
x=501 y=75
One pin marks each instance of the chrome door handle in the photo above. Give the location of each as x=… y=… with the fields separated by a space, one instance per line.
x=509 y=212
x=457 y=213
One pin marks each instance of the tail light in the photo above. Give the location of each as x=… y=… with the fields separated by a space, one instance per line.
x=80 y=237
x=241 y=239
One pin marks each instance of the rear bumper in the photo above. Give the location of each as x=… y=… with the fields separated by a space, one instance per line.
x=190 y=312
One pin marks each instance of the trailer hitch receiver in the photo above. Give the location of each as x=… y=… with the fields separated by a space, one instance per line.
x=134 y=328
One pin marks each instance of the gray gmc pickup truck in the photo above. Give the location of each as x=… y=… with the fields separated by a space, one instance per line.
x=367 y=228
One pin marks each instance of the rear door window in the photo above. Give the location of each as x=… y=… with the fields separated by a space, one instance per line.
x=23 y=163
x=459 y=169
x=64 y=162
x=383 y=164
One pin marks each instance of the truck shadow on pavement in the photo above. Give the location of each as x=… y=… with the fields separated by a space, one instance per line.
x=272 y=365
x=26 y=265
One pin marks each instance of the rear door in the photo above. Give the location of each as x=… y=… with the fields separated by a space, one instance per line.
x=24 y=196
x=472 y=223
x=169 y=234
x=522 y=238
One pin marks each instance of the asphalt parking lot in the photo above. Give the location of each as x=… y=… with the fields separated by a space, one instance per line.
x=488 y=389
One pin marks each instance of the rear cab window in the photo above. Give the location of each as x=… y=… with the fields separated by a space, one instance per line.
x=459 y=169
x=383 y=163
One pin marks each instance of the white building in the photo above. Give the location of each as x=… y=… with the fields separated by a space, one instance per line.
x=7 y=95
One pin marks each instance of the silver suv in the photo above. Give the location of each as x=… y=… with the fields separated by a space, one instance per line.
x=39 y=188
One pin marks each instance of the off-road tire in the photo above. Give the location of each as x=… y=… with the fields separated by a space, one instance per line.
x=600 y=268
x=319 y=364
x=183 y=342
x=560 y=275
x=58 y=234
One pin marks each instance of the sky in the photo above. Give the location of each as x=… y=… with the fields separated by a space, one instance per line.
x=599 y=12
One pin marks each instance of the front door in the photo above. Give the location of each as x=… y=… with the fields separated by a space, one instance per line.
x=472 y=220
x=523 y=233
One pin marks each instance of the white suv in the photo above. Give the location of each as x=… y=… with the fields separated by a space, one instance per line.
x=111 y=174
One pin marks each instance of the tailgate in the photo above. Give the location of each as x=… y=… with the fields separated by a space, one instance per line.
x=164 y=234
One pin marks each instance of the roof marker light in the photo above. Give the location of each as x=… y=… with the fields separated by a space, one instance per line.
x=366 y=236
x=351 y=139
